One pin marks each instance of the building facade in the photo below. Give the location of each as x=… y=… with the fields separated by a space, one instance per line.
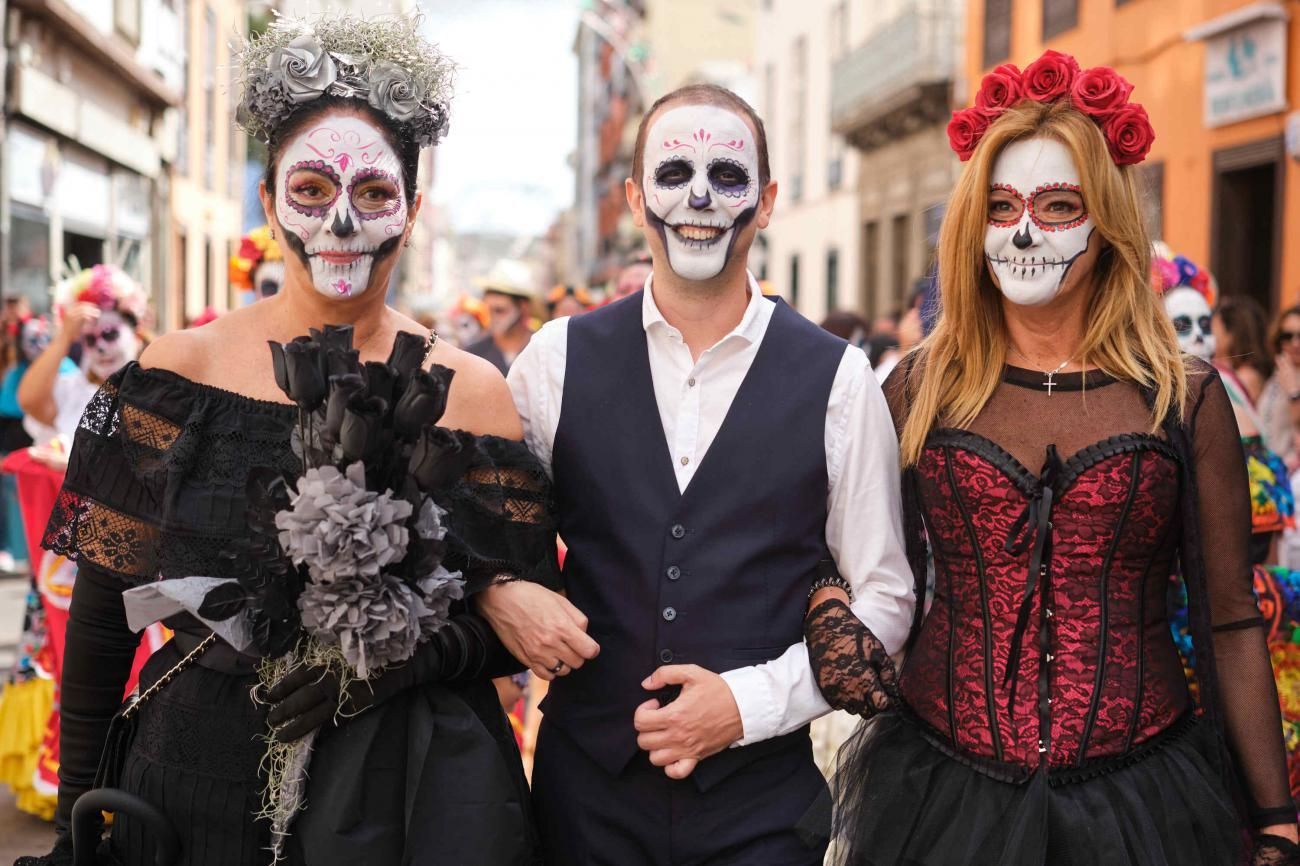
x=91 y=92
x=891 y=99
x=1219 y=79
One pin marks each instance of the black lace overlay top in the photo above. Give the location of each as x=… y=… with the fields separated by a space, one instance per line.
x=156 y=489
x=156 y=486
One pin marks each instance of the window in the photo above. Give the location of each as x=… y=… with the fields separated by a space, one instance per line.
x=902 y=243
x=870 y=264
x=832 y=280
x=126 y=19
x=29 y=270
x=794 y=281
x=1151 y=178
x=1059 y=16
x=798 y=115
x=209 y=97
x=997 y=31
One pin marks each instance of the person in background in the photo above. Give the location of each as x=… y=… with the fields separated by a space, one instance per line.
x=1279 y=404
x=101 y=309
x=468 y=318
x=848 y=326
x=1239 y=326
x=633 y=276
x=909 y=333
x=508 y=296
x=567 y=300
x=257 y=270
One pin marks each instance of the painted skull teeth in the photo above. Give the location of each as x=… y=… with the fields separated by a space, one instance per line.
x=699 y=233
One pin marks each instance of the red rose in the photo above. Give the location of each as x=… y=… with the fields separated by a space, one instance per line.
x=1100 y=92
x=1129 y=134
x=1051 y=76
x=1000 y=89
x=965 y=130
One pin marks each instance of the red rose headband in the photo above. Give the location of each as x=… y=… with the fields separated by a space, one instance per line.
x=1101 y=93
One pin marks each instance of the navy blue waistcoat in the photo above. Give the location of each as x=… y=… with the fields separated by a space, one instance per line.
x=716 y=576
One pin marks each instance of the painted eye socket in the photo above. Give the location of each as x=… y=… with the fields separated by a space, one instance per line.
x=728 y=178
x=1056 y=207
x=1005 y=207
x=674 y=173
x=1204 y=323
x=375 y=195
x=311 y=188
x=1182 y=325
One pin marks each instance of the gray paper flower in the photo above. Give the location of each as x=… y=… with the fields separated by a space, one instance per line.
x=303 y=68
x=339 y=528
x=393 y=91
x=375 y=622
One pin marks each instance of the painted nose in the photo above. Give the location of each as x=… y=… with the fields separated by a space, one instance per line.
x=1021 y=239
x=700 y=202
x=343 y=227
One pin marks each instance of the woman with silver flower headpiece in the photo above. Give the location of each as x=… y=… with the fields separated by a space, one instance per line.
x=158 y=487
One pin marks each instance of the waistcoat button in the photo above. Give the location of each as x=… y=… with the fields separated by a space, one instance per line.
x=670 y=614
x=674 y=572
x=679 y=531
x=666 y=656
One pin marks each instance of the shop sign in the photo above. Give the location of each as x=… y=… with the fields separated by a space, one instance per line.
x=1245 y=72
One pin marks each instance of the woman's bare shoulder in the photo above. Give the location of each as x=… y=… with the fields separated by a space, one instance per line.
x=480 y=400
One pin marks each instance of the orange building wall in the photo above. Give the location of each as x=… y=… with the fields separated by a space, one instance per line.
x=1143 y=39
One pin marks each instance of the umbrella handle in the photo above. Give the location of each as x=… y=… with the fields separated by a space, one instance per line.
x=86 y=832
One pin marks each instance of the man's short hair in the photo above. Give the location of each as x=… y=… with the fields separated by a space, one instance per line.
x=703 y=94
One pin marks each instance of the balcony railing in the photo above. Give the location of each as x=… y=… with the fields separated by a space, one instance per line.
x=900 y=76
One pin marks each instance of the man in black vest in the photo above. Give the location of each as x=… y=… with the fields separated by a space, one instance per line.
x=712 y=452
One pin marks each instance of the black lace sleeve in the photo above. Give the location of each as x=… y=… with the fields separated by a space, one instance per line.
x=1243 y=673
x=106 y=515
x=501 y=518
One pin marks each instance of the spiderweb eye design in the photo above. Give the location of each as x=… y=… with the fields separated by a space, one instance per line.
x=312 y=208
x=729 y=178
x=673 y=173
x=387 y=207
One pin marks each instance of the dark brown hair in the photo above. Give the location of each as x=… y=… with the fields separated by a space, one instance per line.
x=703 y=94
x=1245 y=321
x=1275 y=333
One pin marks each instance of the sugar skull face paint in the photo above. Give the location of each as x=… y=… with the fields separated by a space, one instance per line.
x=340 y=201
x=1038 y=223
x=1190 y=313
x=701 y=186
x=108 y=345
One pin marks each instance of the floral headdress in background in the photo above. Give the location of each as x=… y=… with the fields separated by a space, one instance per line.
x=384 y=61
x=1101 y=93
x=1169 y=271
x=106 y=286
x=254 y=248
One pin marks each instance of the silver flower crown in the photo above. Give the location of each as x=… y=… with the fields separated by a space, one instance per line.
x=384 y=61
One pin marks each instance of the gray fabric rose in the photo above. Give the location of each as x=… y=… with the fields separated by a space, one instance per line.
x=393 y=91
x=303 y=68
x=339 y=528
x=378 y=621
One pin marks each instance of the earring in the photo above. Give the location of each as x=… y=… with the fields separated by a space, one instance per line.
x=408 y=241
x=272 y=234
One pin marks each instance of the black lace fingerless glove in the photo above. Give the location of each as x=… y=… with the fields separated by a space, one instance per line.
x=853 y=670
x=1273 y=850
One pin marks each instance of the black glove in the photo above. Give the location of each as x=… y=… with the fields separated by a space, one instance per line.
x=61 y=855
x=853 y=670
x=1273 y=850
x=464 y=649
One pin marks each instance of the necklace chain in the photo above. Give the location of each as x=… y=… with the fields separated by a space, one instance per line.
x=1050 y=381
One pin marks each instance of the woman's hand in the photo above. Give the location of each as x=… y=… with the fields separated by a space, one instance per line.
x=1276 y=846
x=541 y=628
x=302 y=701
x=852 y=667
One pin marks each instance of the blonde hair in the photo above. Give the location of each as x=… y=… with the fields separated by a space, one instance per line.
x=1127 y=335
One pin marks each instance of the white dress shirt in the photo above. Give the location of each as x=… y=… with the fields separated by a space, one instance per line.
x=863 y=527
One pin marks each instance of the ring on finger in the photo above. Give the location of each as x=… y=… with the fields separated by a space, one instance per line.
x=559 y=666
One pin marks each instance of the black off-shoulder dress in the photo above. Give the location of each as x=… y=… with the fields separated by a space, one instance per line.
x=156 y=489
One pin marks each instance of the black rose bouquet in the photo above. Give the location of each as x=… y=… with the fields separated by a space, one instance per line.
x=342 y=569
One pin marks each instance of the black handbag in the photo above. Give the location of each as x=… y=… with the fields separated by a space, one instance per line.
x=121 y=730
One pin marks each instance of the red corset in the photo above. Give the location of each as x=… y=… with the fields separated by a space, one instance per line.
x=1052 y=589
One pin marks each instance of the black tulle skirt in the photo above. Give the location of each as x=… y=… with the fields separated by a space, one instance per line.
x=902 y=800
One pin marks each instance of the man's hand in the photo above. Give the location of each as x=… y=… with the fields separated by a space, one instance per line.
x=539 y=627
x=703 y=720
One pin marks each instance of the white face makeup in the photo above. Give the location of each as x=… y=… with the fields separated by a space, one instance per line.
x=701 y=186
x=1038 y=223
x=340 y=200
x=108 y=345
x=1190 y=313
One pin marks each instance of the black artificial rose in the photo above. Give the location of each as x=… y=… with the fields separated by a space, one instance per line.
x=341 y=362
x=298 y=372
x=423 y=402
x=334 y=337
x=408 y=353
x=342 y=390
x=361 y=434
x=440 y=457
x=380 y=380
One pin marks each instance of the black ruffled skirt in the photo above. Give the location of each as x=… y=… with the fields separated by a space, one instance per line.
x=902 y=800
